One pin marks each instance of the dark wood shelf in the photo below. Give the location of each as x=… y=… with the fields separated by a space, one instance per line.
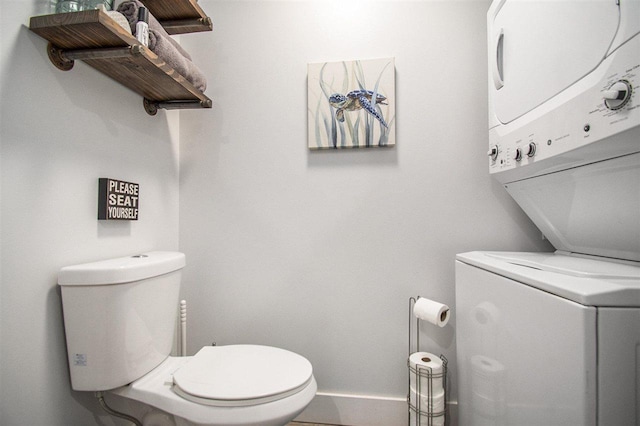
x=93 y=37
x=179 y=17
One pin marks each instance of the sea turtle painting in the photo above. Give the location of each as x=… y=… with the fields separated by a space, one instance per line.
x=351 y=104
x=355 y=100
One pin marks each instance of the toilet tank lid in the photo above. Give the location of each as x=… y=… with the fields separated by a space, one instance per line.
x=122 y=269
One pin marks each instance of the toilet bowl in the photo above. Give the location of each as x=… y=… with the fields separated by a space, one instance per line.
x=119 y=342
x=228 y=385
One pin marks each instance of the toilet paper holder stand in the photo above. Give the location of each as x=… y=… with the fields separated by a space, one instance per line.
x=424 y=413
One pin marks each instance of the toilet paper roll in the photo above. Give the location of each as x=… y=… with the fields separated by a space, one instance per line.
x=432 y=311
x=426 y=367
x=424 y=403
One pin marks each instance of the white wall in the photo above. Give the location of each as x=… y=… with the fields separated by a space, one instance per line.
x=60 y=132
x=318 y=252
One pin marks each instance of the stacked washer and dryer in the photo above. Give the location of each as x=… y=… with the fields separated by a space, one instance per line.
x=554 y=338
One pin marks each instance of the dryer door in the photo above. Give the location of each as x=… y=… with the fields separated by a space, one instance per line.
x=539 y=48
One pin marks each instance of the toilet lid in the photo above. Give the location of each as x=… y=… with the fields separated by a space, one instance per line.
x=241 y=375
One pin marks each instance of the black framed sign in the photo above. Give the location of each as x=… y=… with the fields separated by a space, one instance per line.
x=117 y=199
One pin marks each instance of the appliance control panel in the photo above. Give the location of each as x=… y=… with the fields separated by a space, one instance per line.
x=603 y=104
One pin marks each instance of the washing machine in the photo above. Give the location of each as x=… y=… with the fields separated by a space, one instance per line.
x=547 y=339
x=554 y=338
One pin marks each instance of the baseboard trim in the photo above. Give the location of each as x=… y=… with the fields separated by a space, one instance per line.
x=355 y=410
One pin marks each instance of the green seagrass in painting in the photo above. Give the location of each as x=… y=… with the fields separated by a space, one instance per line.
x=351 y=104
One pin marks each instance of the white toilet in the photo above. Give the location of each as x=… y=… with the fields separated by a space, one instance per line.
x=120 y=317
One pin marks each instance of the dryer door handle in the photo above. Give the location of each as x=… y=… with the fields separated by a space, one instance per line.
x=498 y=60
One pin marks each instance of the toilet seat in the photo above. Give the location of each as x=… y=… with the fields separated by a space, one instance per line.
x=157 y=389
x=241 y=375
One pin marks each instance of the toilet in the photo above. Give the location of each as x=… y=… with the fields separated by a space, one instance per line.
x=119 y=318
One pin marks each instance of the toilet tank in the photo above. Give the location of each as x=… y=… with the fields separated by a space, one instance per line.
x=119 y=317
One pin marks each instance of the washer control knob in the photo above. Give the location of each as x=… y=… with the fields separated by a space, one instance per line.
x=531 y=149
x=518 y=155
x=493 y=152
x=618 y=95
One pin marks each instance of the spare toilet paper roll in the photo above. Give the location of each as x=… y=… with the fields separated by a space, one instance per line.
x=432 y=311
x=425 y=367
x=424 y=403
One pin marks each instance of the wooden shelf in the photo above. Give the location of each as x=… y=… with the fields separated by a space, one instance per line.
x=179 y=17
x=93 y=37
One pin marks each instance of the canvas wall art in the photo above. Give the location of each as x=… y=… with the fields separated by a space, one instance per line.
x=351 y=104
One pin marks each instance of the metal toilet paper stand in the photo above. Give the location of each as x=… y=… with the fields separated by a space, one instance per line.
x=424 y=378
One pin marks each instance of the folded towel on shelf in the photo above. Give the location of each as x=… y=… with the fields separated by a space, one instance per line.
x=167 y=51
x=129 y=9
x=163 y=45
